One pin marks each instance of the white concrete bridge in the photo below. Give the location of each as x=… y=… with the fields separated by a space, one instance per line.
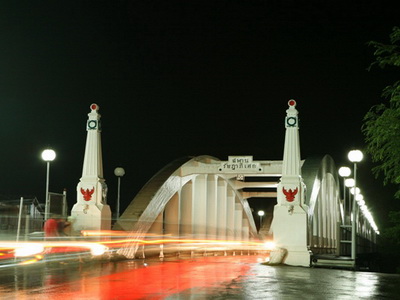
x=197 y=198
x=205 y=198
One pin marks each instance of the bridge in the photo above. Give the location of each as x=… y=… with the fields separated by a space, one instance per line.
x=205 y=199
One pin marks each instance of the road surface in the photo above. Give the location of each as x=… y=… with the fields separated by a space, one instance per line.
x=221 y=277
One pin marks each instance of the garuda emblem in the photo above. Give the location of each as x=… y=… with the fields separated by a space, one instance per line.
x=290 y=194
x=87 y=194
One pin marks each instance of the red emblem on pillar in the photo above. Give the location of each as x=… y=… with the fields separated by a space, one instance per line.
x=290 y=194
x=87 y=194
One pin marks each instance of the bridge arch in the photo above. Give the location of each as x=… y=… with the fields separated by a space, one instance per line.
x=188 y=198
x=324 y=204
x=193 y=197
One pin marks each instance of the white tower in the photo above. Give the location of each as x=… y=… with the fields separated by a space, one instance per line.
x=91 y=211
x=290 y=213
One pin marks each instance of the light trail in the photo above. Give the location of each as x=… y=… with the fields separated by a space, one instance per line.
x=35 y=251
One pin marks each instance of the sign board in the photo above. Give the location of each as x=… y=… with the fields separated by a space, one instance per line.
x=240 y=164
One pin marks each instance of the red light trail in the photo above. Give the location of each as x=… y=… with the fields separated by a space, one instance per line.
x=157 y=280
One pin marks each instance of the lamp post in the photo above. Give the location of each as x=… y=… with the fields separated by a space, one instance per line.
x=349 y=182
x=48 y=156
x=355 y=156
x=344 y=172
x=261 y=214
x=119 y=172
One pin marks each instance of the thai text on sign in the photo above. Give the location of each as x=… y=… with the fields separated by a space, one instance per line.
x=240 y=164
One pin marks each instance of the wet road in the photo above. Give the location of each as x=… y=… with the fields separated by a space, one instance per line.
x=223 y=277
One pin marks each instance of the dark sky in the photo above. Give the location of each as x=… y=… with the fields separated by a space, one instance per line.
x=177 y=78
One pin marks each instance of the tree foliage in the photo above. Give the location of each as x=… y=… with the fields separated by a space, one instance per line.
x=393 y=232
x=382 y=123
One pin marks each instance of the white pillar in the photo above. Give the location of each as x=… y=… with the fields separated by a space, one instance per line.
x=315 y=226
x=324 y=213
x=212 y=185
x=320 y=219
x=171 y=215
x=230 y=214
x=290 y=228
x=200 y=207
x=157 y=227
x=238 y=221
x=91 y=211
x=222 y=209
x=186 y=209
x=245 y=229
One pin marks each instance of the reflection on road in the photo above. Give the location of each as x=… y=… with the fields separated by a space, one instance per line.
x=201 y=277
x=127 y=279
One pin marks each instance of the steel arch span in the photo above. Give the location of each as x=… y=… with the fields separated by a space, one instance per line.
x=204 y=198
x=188 y=198
x=325 y=213
x=330 y=215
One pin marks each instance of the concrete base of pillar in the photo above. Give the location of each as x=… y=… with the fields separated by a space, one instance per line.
x=298 y=258
x=290 y=231
x=90 y=217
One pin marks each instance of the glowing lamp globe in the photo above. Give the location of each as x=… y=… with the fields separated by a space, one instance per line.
x=48 y=155
x=349 y=182
x=261 y=213
x=119 y=172
x=344 y=171
x=355 y=156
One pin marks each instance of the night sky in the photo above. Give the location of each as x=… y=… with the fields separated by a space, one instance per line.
x=184 y=78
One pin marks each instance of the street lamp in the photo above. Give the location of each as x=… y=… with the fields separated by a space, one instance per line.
x=261 y=214
x=355 y=191
x=355 y=156
x=349 y=182
x=48 y=155
x=344 y=172
x=119 y=172
x=359 y=197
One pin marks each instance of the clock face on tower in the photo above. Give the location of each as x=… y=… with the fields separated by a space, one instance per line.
x=291 y=121
x=93 y=125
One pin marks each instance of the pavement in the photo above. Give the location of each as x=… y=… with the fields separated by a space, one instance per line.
x=212 y=277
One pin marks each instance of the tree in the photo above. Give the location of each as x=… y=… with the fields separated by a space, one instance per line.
x=382 y=135
x=393 y=232
x=381 y=126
